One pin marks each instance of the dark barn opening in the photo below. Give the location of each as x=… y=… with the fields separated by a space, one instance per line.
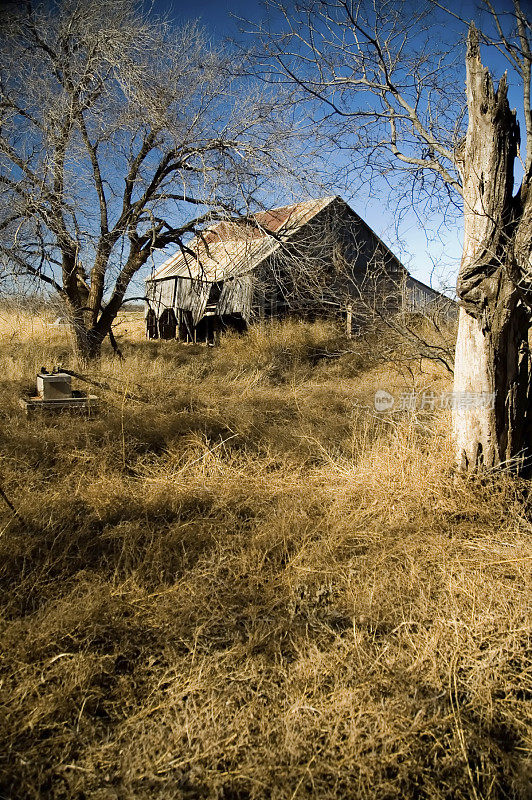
x=168 y=324
x=152 y=326
x=233 y=322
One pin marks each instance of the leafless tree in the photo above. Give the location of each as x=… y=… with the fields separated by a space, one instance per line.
x=119 y=135
x=384 y=85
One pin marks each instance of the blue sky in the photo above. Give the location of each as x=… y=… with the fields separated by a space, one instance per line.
x=218 y=16
x=429 y=249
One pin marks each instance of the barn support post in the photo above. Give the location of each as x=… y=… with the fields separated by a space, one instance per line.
x=216 y=329
x=349 y=320
x=262 y=304
x=273 y=303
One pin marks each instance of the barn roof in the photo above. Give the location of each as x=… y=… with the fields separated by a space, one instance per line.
x=231 y=248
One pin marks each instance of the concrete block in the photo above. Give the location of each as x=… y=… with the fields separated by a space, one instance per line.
x=57 y=386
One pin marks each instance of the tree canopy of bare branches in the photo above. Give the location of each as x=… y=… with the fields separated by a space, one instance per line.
x=382 y=83
x=119 y=135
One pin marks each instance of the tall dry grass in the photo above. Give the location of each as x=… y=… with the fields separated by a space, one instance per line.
x=237 y=581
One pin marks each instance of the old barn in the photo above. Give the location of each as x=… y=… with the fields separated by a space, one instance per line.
x=311 y=259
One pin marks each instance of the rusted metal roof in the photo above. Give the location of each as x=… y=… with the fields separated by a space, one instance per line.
x=233 y=248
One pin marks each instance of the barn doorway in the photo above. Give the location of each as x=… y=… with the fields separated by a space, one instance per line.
x=168 y=324
x=233 y=322
x=152 y=328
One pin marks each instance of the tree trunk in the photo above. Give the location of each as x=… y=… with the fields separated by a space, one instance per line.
x=87 y=346
x=491 y=392
x=87 y=343
x=492 y=365
x=89 y=332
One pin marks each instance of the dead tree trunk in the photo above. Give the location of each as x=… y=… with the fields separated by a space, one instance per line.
x=492 y=366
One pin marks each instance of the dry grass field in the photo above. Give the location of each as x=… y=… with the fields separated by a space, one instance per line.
x=236 y=581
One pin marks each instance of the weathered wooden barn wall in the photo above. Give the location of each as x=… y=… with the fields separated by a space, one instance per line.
x=237 y=297
x=192 y=295
x=331 y=263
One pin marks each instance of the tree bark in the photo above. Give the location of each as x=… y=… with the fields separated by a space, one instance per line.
x=87 y=345
x=492 y=365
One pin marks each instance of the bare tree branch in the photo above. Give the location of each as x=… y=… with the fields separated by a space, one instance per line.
x=111 y=128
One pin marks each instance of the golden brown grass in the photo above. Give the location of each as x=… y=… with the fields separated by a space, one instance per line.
x=241 y=583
